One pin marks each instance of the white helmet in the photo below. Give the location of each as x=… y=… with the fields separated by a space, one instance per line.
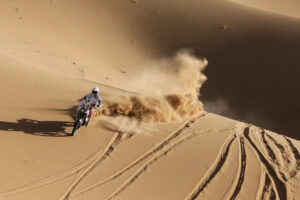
x=95 y=90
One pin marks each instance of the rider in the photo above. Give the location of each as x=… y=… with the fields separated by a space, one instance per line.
x=94 y=100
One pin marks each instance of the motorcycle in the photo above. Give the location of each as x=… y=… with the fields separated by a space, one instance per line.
x=81 y=118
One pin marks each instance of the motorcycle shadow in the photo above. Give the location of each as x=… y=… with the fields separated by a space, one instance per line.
x=36 y=127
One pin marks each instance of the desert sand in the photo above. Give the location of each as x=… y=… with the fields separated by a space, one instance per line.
x=154 y=137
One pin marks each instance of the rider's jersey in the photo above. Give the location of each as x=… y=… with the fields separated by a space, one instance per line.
x=92 y=99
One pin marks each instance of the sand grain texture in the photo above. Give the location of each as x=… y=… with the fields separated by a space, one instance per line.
x=154 y=137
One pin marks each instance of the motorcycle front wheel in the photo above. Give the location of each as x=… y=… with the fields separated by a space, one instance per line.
x=76 y=126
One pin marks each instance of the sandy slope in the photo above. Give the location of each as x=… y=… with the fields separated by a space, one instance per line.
x=289 y=7
x=52 y=52
x=120 y=38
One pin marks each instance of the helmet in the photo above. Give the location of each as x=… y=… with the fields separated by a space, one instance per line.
x=95 y=90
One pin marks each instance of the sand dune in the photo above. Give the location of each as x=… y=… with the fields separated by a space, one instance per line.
x=121 y=38
x=273 y=158
x=154 y=138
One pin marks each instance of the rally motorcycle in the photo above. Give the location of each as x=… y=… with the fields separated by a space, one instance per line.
x=81 y=117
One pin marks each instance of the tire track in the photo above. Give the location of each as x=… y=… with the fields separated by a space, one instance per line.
x=271 y=153
x=56 y=177
x=215 y=168
x=145 y=166
x=268 y=187
x=296 y=156
x=144 y=156
x=281 y=148
x=273 y=194
x=242 y=164
x=107 y=151
x=262 y=182
x=267 y=184
x=269 y=149
x=280 y=186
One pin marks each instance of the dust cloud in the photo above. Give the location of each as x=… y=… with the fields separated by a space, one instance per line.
x=167 y=89
x=219 y=106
